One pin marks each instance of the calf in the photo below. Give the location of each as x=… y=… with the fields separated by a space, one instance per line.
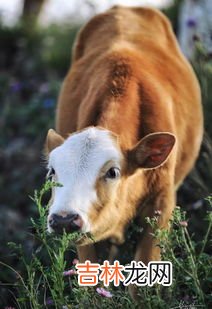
x=129 y=128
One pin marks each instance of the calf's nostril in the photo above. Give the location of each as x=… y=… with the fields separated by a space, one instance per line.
x=78 y=222
x=53 y=221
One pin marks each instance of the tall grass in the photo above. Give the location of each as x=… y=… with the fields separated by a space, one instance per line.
x=45 y=285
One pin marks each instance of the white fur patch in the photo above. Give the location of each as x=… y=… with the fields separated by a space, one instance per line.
x=77 y=163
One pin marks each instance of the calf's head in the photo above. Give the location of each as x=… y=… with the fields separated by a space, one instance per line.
x=92 y=168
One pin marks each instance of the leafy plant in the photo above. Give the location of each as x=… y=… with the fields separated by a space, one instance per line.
x=46 y=284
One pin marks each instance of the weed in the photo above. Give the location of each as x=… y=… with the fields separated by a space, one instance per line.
x=47 y=283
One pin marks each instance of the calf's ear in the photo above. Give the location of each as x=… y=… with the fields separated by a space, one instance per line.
x=53 y=140
x=152 y=150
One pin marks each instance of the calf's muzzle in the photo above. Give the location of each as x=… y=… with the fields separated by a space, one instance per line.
x=70 y=223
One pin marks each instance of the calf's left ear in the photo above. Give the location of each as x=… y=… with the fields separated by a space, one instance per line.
x=152 y=150
x=53 y=140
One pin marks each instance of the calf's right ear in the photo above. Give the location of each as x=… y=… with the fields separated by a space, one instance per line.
x=152 y=151
x=53 y=140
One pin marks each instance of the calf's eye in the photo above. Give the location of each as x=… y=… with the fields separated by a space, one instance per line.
x=113 y=173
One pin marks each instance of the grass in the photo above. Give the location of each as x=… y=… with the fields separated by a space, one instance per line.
x=45 y=285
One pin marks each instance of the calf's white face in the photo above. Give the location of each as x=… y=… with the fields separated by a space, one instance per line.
x=93 y=171
x=77 y=164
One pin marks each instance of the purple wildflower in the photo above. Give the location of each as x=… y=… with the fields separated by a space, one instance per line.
x=191 y=23
x=104 y=293
x=69 y=272
x=16 y=86
x=49 y=301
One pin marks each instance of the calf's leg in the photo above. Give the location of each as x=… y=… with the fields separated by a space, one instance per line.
x=148 y=247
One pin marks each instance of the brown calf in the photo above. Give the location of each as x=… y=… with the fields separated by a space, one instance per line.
x=131 y=83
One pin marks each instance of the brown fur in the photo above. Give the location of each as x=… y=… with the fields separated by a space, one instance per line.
x=129 y=76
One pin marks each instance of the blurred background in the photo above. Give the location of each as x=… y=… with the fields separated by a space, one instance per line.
x=36 y=38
